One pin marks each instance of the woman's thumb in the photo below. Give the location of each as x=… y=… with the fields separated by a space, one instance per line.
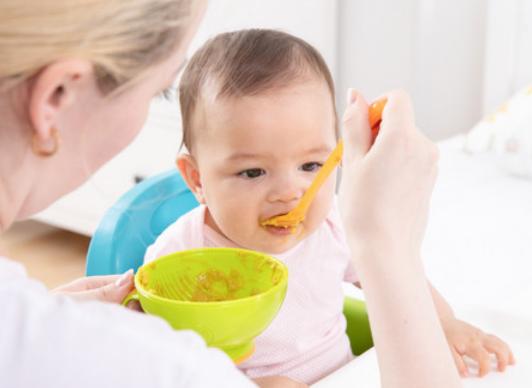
x=356 y=130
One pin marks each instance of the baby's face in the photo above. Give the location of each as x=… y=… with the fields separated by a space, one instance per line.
x=257 y=155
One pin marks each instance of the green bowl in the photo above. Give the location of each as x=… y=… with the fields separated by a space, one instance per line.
x=227 y=295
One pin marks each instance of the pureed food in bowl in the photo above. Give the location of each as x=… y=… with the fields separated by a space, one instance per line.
x=227 y=295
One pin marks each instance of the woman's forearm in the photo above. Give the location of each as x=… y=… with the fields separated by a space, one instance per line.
x=410 y=344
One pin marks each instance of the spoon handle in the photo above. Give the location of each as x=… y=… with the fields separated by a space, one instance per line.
x=334 y=158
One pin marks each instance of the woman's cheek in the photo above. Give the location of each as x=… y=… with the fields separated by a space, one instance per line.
x=117 y=131
x=133 y=124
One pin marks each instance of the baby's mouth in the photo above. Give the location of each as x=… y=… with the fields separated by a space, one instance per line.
x=280 y=230
x=281 y=222
x=264 y=220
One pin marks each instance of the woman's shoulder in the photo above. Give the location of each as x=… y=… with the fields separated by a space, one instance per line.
x=11 y=270
x=32 y=318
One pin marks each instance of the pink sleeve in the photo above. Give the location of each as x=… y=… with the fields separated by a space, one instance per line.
x=337 y=227
x=350 y=273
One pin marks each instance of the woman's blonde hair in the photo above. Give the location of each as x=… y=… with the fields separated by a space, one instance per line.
x=122 y=38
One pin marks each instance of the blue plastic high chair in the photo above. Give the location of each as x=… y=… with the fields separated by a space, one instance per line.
x=141 y=214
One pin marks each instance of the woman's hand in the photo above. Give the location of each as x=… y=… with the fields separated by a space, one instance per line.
x=111 y=288
x=385 y=194
x=386 y=187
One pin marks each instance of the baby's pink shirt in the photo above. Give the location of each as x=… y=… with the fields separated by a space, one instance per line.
x=306 y=340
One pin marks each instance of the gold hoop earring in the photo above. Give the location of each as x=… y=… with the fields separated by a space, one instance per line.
x=37 y=148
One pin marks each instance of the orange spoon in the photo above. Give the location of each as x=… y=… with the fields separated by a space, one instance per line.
x=295 y=216
x=375 y=117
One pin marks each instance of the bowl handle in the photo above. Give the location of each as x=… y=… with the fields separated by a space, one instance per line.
x=133 y=295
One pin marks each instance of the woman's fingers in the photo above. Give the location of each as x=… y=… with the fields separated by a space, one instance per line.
x=399 y=168
x=111 y=289
x=356 y=130
x=398 y=114
x=91 y=282
x=113 y=293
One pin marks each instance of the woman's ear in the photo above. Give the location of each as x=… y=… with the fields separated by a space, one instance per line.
x=188 y=168
x=53 y=91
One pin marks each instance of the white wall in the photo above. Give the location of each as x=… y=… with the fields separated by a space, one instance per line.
x=433 y=49
x=312 y=20
x=523 y=65
x=458 y=59
x=508 y=59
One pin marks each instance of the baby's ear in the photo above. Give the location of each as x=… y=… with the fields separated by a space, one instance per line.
x=188 y=168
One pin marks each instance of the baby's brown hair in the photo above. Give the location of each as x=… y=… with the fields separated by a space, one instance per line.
x=245 y=63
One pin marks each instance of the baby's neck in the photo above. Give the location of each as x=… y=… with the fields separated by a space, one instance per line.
x=209 y=221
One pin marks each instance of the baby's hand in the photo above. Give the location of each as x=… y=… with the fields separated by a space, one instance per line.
x=278 y=382
x=467 y=340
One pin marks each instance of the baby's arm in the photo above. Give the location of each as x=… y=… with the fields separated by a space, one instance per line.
x=467 y=340
x=278 y=382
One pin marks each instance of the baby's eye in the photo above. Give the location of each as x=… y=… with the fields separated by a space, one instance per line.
x=311 y=166
x=252 y=173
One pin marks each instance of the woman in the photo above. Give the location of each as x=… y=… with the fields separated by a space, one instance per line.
x=76 y=79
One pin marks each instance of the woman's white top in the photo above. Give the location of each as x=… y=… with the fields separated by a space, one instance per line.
x=52 y=341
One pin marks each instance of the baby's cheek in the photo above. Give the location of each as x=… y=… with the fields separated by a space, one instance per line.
x=236 y=217
x=321 y=206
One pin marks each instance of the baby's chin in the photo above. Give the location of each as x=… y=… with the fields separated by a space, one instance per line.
x=276 y=243
x=273 y=249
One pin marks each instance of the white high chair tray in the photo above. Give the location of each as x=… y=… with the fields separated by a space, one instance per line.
x=363 y=372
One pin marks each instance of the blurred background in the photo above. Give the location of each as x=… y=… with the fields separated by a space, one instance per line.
x=458 y=59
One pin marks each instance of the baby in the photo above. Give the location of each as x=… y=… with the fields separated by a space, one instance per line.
x=259 y=120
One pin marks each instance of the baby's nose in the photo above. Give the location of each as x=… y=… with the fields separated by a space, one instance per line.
x=287 y=190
